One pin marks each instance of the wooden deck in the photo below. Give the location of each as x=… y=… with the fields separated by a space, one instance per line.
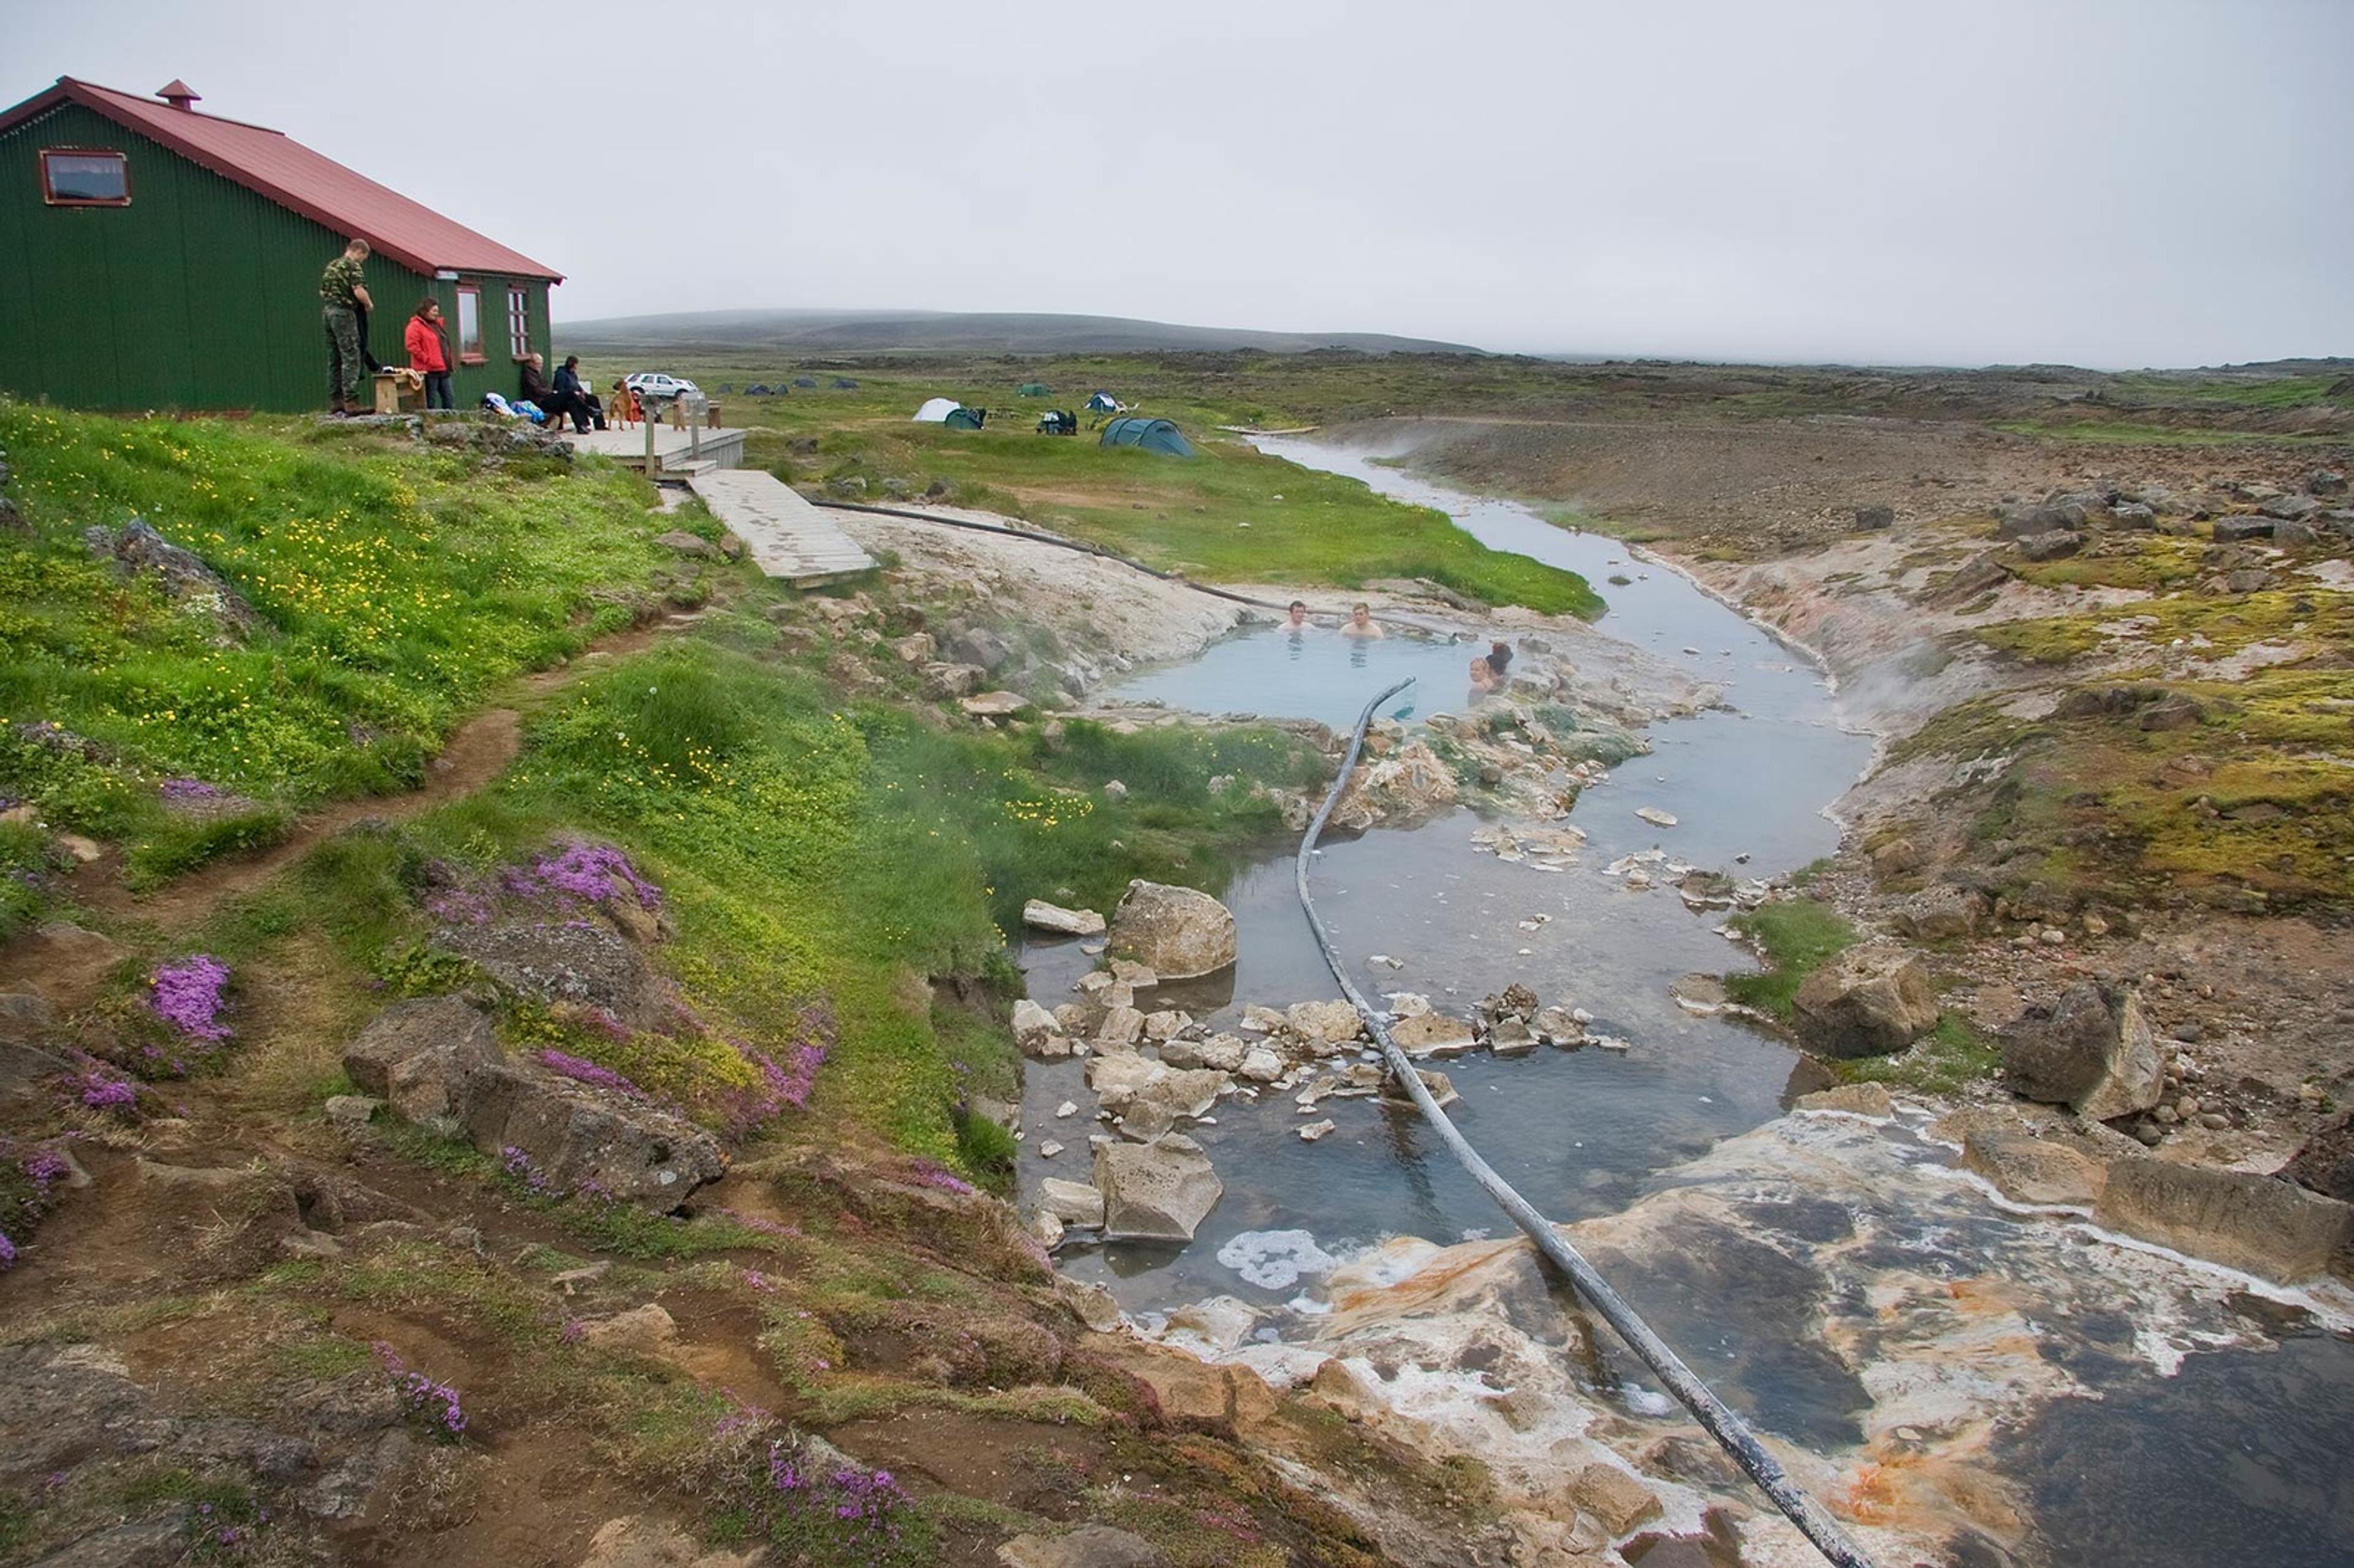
x=721 y=448
x=786 y=536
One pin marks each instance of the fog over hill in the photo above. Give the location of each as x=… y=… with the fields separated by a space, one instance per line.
x=884 y=332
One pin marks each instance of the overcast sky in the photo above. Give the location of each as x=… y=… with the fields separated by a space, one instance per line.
x=2142 y=182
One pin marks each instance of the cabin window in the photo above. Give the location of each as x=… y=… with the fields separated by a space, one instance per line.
x=519 y=322
x=84 y=177
x=470 y=324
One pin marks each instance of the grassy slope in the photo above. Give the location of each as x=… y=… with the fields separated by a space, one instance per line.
x=397 y=588
x=821 y=858
x=1304 y=527
x=814 y=853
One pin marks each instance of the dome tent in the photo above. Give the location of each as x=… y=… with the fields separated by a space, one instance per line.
x=935 y=410
x=1033 y=389
x=1103 y=403
x=1153 y=435
x=966 y=419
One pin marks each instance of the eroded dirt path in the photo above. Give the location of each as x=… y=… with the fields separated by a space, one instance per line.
x=479 y=752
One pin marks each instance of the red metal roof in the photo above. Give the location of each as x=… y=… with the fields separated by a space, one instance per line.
x=288 y=173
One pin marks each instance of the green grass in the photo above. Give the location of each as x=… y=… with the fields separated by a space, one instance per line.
x=396 y=585
x=1797 y=935
x=1304 y=526
x=1946 y=1060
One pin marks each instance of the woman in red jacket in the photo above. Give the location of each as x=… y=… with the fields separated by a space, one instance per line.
x=428 y=352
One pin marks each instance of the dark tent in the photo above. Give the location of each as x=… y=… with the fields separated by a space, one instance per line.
x=844 y=383
x=1058 y=423
x=1103 y=403
x=965 y=419
x=1033 y=389
x=804 y=381
x=1153 y=435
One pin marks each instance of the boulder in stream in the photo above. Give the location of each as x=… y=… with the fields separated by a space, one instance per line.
x=1161 y=1190
x=1180 y=932
x=1867 y=1001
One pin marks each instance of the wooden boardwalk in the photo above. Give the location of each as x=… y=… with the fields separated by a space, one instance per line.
x=720 y=448
x=785 y=536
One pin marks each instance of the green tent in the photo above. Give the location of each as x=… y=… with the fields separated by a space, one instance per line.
x=1153 y=435
x=965 y=419
x=1033 y=389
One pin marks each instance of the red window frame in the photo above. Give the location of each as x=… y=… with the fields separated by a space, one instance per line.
x=49 y=194
x=519 y=322
x=477 y=356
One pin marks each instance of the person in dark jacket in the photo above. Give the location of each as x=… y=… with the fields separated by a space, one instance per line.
x=568 y=385
x=549 y=401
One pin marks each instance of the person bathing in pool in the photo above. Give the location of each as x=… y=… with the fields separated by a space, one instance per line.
x=1362 y=623
x=1295 y=620
x=1484 y=677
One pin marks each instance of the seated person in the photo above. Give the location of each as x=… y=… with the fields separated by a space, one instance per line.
x=568 y=385
x=1484 y=678
x=546 y=398
x=1499 y=657
x=1362 y=623
x=1296 y=619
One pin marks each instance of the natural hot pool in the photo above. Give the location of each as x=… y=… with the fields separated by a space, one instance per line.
x=2140 y=1407
x=1576 y=1131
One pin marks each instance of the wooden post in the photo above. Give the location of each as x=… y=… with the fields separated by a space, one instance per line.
x=651 y=470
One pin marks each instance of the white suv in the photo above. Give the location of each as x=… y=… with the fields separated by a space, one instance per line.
x=655 y=387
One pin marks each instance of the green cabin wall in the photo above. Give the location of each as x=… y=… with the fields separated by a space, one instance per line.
x=200 y=295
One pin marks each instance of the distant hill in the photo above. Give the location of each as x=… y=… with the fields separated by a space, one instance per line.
x=934 y=332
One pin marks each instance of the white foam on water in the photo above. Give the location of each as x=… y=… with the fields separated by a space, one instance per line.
x=1275 y=1260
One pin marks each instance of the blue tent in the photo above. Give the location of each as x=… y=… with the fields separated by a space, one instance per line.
x=1103 y=403
x=803 y=381
x=1153 y=435
x=844 y=383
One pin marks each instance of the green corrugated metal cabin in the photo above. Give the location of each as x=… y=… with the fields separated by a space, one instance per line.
x=153 y=256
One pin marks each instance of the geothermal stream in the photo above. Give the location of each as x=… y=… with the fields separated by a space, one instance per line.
x=1966 y=1381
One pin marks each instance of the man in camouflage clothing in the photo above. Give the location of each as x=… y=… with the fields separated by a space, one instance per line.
x=342 y=297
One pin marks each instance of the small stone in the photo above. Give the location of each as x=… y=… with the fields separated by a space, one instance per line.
x=1655 y=817
x=2052 y=936
x=1040 y=915
x=1260 y=1066
x=2166 y=1115
x=1315 y=1129
x=350 y=1111
x=1115 y=791
x=2187 y=1107
x=2214 y=1121
x=1048 y=1149
x=1068 y=1108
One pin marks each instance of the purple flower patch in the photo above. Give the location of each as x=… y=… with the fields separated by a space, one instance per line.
x=517 y=1164
x=8 y=1251
x=100 y=1090
x=928 y=1174
x=580 y=1070
x=190 y=792
x=580 y=874
x=856 y=1512
x=436 y=1404
x=188 y=996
